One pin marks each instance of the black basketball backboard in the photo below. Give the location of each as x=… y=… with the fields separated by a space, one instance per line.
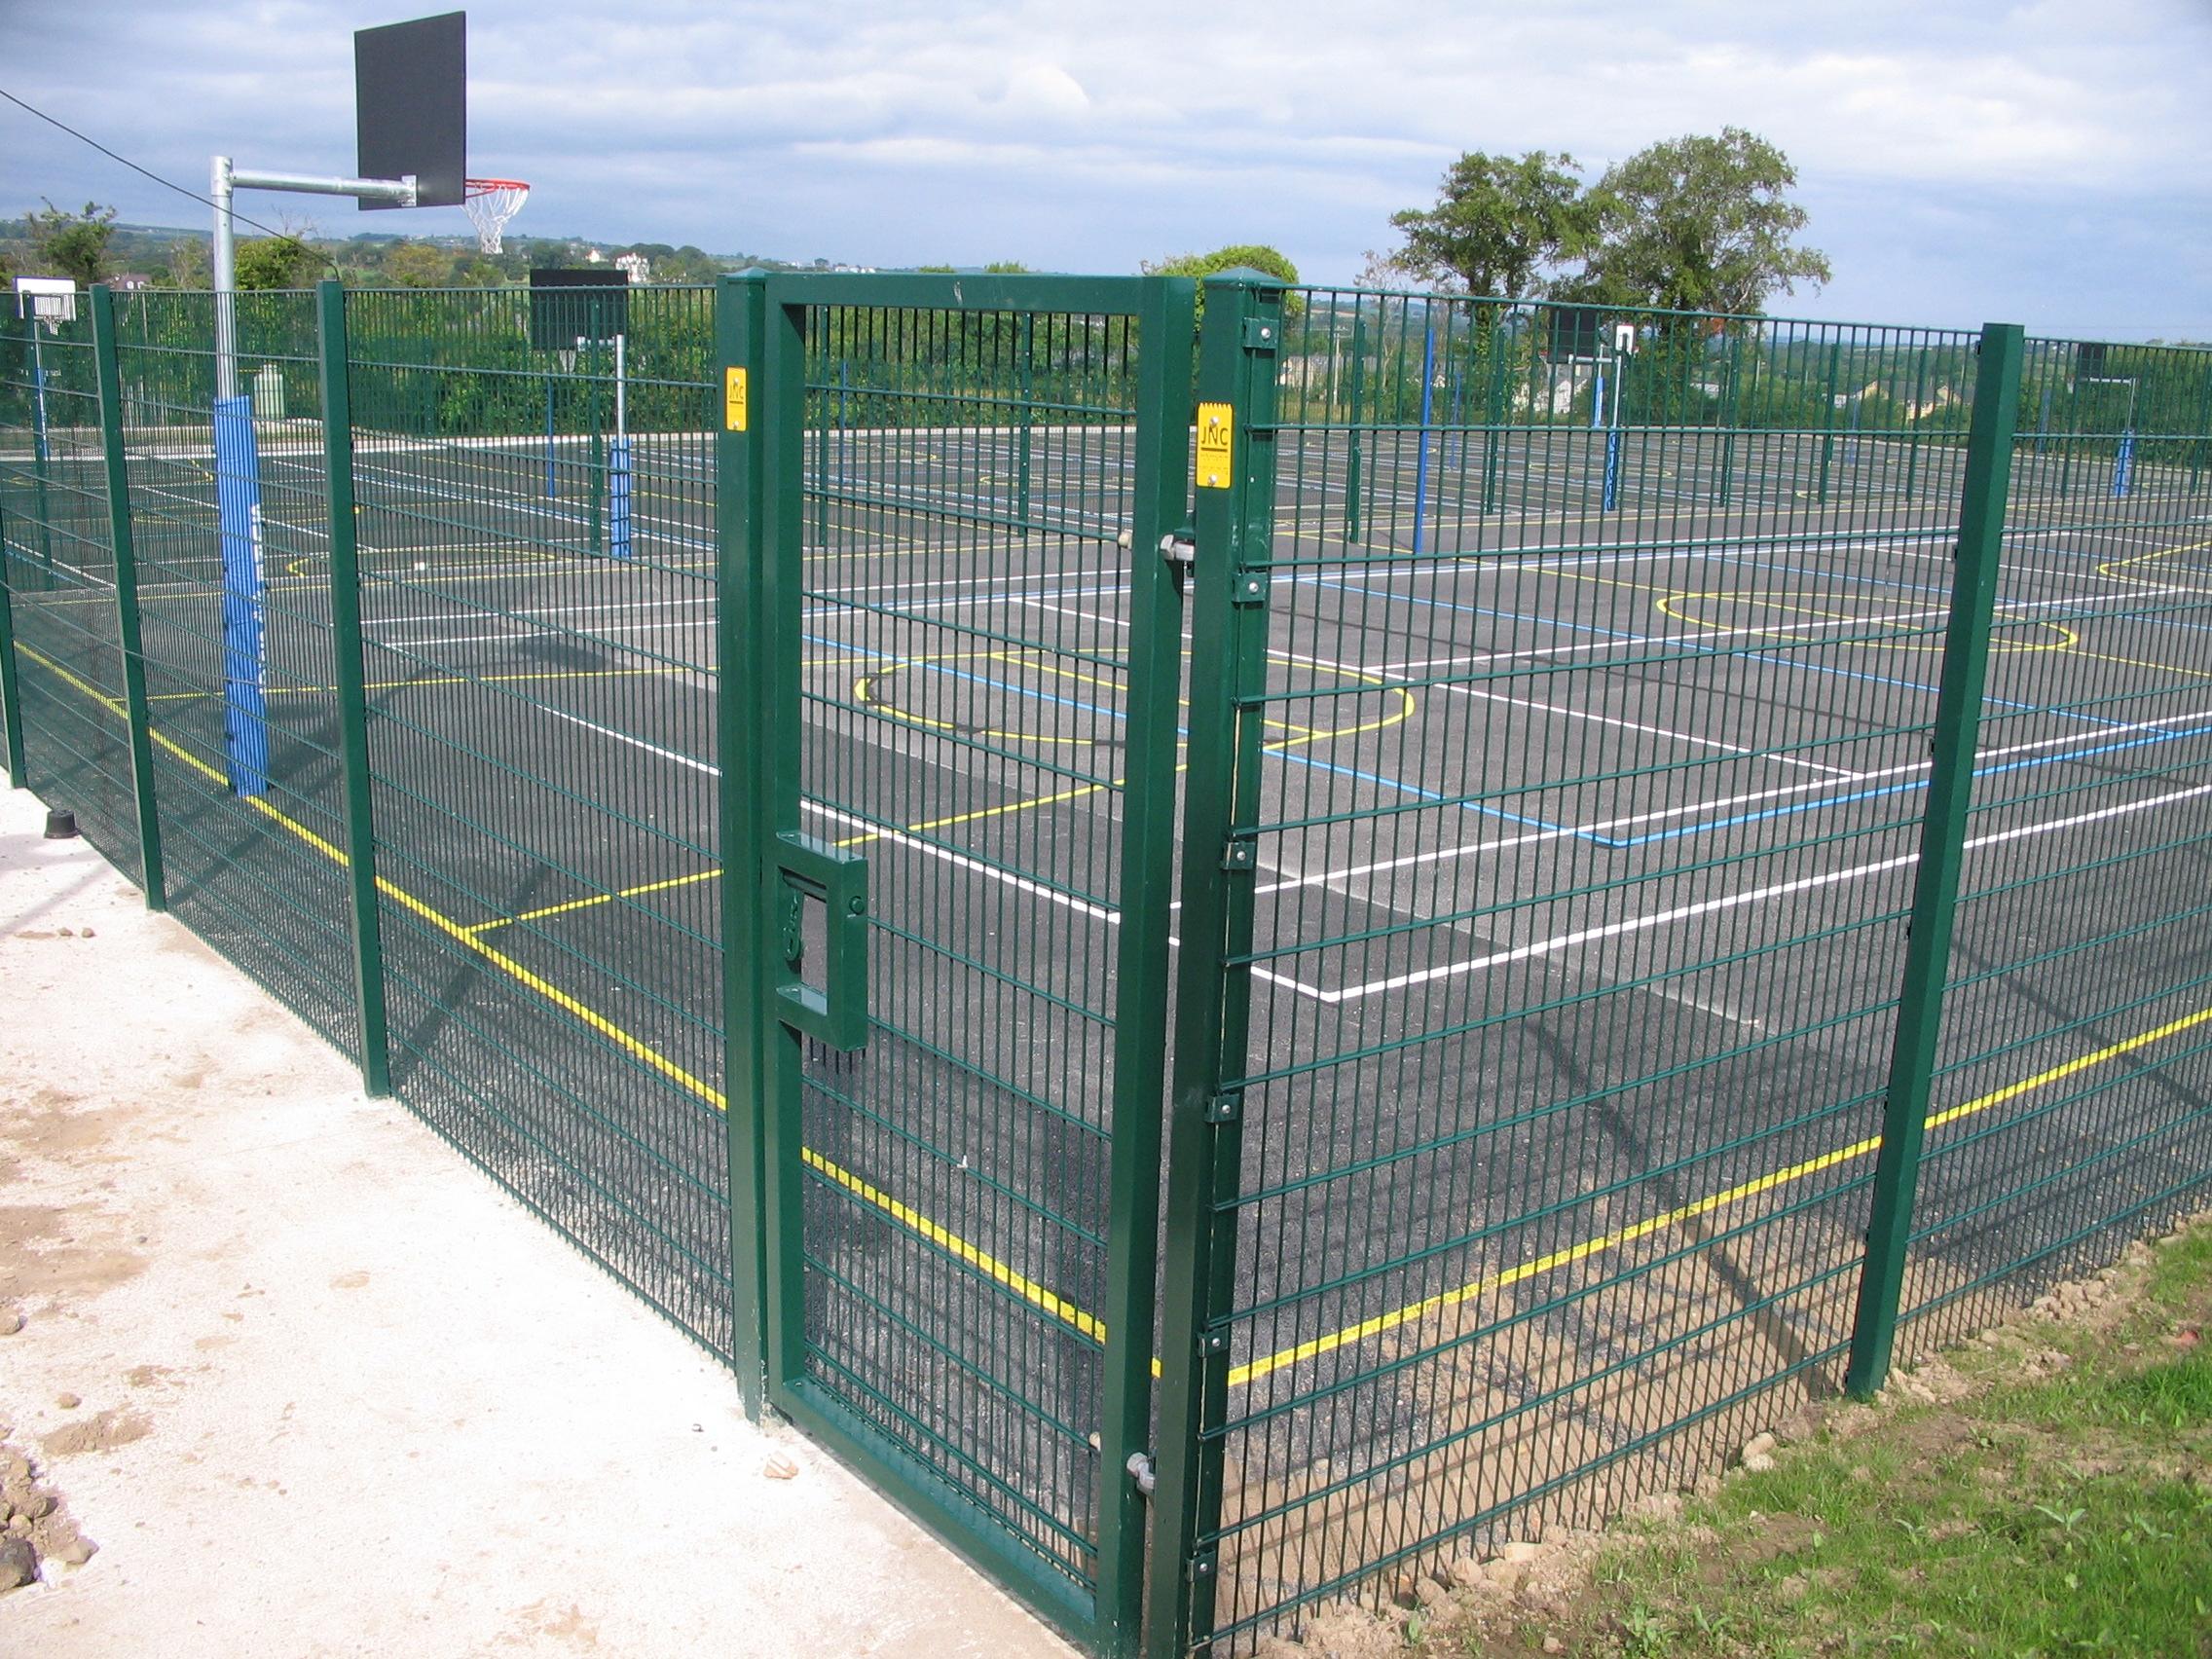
x=1577 y=331
x=580 y=302
x=2089 y=358
x=411 y=107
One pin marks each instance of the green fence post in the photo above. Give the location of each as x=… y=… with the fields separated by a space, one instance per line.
x=348 y=676
x=1914 y=415
x=742 y=666
x=1828 y=418
x=11 y=692
x=2203 y=435
x=1160 y=505
x=1942 y=838
x=128 y=638
x=1025 y=371
x=1235 y=535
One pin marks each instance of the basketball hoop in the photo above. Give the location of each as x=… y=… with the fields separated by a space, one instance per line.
x=489 y=204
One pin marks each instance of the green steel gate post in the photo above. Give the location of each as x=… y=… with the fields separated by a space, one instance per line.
x=1352 y=426
x=1494 y=412
x=127 y=631
x=1942 y=838
x=1828 y=418
x=2066 y=438
x=10 y=693
x=1160 y=506
x=1731 y=402
x=741 y=669
x=2203 y=435
x=348 y=674
x=1235 y=531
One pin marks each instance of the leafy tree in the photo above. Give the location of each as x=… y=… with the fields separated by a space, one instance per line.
x=74 y=243
x=188 y=263
x=277 y=261
x=1503 y=225
x=1256 y=255
x=1699 y=223
x=419 y=264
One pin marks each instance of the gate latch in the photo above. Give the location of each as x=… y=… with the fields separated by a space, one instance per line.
x=1180 y=548
x=1143 y=1471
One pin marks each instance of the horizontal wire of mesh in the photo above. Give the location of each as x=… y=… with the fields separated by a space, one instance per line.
x=967 y=487
x=1592 y=747
x=2070 y=1112
x=537 y=599
x=236 y=630
x=61 y=575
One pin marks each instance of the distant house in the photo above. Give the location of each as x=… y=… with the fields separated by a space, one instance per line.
x=130 y=282
x=637 y=266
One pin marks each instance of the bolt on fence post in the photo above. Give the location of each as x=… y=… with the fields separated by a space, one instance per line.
x=1235 y=546
x=11 y=692
x=742 y=665
x=127 y=626
x=1942 y=839
x=349 y=677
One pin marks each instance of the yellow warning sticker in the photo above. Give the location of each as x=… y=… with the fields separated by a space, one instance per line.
x=1216 y=422
x=733 y=400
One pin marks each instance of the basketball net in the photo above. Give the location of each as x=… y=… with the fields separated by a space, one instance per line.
x=490 y=203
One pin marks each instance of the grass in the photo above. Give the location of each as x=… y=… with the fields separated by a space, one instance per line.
x=2062 y=1506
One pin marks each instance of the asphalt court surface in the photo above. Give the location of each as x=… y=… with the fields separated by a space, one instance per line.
x=1716 y=744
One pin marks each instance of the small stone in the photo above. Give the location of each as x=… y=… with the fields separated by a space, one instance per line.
x=20 y=1526
x=1758 y=1446
x=11 y=1321
x=780 y=1468
x=1465 y=1571
x=65 y=932
x=1506 y=1574
x=1428 y=1593
x=1553 y=1644
x=36 y=1504
x=84 y=933
x=1520 y=1550
x=1794 y=1589
x=67 y=1402
x=1758 y=1462
x=76 y=1552
x=18 y=1562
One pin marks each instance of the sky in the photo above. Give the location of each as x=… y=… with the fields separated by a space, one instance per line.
x=2046 y=163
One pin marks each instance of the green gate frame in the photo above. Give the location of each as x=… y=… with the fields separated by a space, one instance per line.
x=760 y=335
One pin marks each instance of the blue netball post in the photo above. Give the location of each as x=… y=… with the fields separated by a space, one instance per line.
x=238 y=516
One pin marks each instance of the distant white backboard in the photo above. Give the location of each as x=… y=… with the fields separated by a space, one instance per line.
x=52 y=300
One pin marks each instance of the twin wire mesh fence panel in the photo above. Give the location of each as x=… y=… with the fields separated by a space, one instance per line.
x=2068 y=1111
x=1555 y=786
x=1560 y=784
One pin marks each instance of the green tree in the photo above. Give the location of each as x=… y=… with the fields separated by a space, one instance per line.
x=277 y=261
x=1699 y=223
x=419 y=264
x=74 y=243
x=1503 y=225
x=1258 y=255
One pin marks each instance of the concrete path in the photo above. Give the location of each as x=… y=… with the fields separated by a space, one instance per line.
x=313 y=1385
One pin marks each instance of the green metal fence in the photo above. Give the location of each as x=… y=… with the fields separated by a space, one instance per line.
x=1653 y=873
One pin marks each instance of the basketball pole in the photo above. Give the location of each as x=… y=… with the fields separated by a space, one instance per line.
x=225 y=179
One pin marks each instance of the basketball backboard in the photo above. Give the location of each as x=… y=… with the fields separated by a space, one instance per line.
x=411 y=107
x=52 y=300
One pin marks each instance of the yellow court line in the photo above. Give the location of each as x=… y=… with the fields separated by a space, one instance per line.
x=596 y=898
x=2113 y=567
x=592 y=1020
x=1540 y=1265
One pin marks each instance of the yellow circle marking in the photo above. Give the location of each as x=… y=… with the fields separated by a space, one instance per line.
x=1804 y=606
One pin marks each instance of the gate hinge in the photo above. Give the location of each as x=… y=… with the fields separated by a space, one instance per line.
x=1226 y=1107
x=1240 y=852
x=1202 y=1565
x=1261 y=334
x=1214 y=1343
x=1250 y=587
x=1144 y=1471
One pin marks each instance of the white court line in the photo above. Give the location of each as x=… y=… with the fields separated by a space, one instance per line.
x=1730 y=901
x=1649 y=730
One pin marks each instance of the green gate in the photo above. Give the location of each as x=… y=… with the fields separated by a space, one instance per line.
x=950 y=762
